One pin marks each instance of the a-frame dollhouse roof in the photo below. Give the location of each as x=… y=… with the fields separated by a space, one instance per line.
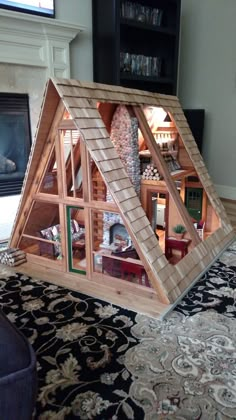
x=81 y=99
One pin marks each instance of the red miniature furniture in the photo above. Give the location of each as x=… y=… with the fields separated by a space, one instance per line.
x=137 y=269
x=112 y=266
x=178 y=244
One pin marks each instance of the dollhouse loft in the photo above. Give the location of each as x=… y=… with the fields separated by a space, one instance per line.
x=113 y=175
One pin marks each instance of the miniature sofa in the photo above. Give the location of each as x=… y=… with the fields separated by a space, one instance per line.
x=52 y=233
x=18 y=377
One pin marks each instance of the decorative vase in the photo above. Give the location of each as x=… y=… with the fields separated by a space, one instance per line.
x=179 y=235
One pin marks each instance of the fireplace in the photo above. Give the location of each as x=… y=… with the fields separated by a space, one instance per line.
x=33 y=48
x=15 y=141
x=118 y=234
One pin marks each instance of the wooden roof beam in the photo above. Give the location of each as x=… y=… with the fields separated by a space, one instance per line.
x=159 y=161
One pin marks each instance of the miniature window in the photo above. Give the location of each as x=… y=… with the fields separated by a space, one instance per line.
x=49 y=184
x=42 y=233
x=70 y=140
x=98 y=186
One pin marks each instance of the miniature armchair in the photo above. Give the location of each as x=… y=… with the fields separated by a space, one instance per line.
x=200 y=226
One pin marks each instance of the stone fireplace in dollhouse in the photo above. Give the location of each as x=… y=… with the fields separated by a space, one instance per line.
x=119 y=235
x=115 y=235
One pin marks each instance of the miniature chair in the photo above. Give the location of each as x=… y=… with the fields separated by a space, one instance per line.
x=199 y=226
x=130 y=269
x=111 y=266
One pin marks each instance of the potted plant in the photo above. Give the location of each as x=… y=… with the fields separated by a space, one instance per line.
x=179 y=231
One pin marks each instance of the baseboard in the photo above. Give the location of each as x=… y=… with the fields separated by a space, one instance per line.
x=225 y=191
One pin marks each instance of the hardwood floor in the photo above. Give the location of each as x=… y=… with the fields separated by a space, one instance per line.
x=161 y=234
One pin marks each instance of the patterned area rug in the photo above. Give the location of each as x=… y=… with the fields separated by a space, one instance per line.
x=98 y=361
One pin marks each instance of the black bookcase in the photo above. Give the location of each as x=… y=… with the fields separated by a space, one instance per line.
x=196 y=119
x=137 y=48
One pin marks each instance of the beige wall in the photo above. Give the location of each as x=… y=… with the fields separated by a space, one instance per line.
x=207 y=79
x=80 y=12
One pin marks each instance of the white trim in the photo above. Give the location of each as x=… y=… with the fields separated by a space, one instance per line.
x=37 y=41
x=8 y=209
x=225 y=191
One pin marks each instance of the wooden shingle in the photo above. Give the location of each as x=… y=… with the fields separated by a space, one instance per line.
x=81 y=100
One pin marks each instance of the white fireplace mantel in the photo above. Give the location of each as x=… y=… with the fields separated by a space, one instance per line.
x=37 y=41
x=32 y=49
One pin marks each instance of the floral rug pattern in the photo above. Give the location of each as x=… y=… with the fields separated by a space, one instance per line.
x=184 y=368
x=98 y=361
x=216 y=289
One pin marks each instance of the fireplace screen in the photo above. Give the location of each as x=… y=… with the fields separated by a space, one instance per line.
x=15 y=142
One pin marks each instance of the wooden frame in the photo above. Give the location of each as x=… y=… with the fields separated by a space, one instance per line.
x=81 y=100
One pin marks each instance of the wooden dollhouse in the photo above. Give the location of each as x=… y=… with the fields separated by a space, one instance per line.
x=105 y=163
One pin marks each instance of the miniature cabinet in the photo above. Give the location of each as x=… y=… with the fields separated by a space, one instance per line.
x=161 y=215
x=136 y=44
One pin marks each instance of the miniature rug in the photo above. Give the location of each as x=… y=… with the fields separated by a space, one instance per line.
x=99 y=361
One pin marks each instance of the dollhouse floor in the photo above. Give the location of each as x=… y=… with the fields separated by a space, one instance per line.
x=161 y=235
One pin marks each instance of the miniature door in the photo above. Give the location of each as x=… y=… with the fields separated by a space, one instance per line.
x=76 y=240
x=194 y=202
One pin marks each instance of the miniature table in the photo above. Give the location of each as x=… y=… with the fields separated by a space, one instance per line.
x=179 y=244
x=128 y=266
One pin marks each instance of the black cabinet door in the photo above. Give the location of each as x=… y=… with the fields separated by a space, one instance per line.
x=196 y=119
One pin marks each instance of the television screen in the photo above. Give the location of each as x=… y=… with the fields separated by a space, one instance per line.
x=35 y=7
